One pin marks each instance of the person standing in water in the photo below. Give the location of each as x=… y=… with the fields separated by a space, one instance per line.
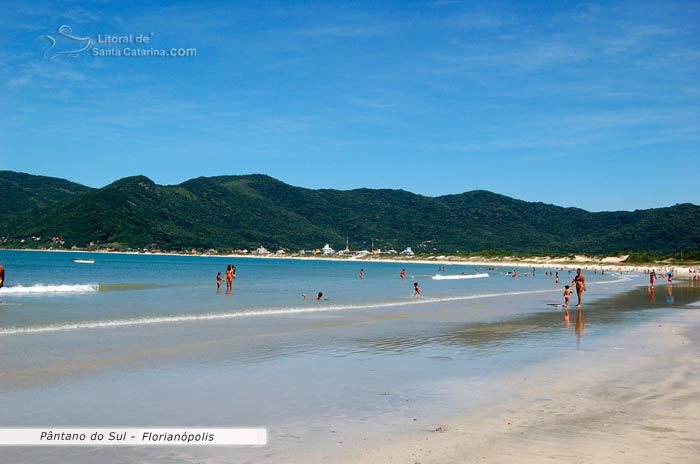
x=580 y=282
x=416 y=290
x=218 y=281
x=652 y=276
x=362 y=273
x=2 y=276
x=229 y=278
x=557 y=281
x=403 y=274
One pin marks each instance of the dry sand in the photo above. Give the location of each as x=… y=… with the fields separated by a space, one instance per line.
x=638 y=404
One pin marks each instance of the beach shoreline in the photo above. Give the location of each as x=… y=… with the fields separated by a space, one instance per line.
x=584 y=262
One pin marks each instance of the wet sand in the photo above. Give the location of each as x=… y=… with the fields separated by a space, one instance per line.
x=505 y=378
x=639 y=403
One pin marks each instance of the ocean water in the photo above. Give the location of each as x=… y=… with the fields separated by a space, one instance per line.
x=46 y=291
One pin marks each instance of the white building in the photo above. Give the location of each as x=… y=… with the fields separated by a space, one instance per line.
x=261 y=251
x=327 y=250
x=408 y=252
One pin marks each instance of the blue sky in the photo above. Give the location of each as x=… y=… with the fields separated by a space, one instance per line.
x=588 y=104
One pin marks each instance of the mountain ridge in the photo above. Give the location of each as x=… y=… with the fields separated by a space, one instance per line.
x=245 y=211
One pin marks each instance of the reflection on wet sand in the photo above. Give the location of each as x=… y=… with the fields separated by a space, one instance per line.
x=612 y=310
x=580 y=327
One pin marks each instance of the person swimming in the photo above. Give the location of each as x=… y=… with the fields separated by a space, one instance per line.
x=403 y=274
x=416 y=290
x=320 y=297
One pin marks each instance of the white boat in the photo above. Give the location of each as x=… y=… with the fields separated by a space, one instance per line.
x=459 y=276
x=83 y=261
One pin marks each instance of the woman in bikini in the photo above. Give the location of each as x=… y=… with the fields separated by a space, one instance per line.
x=229 y=277
x=580 y=282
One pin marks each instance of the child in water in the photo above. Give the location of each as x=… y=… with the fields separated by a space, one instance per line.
x=416 y=290
x=567 y=295
x=218 y=280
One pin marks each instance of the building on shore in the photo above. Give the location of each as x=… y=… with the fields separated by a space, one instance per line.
x=261 y=250
x=408 y=252
x=327 y=250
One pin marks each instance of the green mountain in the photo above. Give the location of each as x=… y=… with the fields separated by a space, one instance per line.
x=21 y=192
x=252 y=210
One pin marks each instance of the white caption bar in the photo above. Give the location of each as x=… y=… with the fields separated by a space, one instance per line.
x=139 y=437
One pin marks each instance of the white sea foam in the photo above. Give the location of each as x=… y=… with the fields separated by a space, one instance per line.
x=39 y=288
x=459 y=276
x=313 y=307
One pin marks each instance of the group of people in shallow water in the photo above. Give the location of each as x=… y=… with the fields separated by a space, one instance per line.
x=229 y=276
x=402 y=275
x=579 y=282
x=653 y=277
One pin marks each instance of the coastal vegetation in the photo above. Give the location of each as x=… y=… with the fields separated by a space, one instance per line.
x=226 y=213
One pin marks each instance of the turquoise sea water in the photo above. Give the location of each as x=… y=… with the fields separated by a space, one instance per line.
x=46 y=291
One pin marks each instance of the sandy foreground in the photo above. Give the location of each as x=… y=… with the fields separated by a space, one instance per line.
x=640 y=404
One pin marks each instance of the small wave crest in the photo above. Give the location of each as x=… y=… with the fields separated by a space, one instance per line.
x=459 y=276
x=40 y=288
